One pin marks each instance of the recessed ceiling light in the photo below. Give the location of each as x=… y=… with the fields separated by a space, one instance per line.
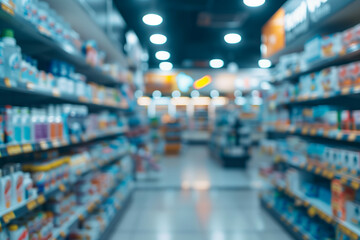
x=216 y=63
x=152 y=19
x=158 y=39
x=254 y=3
x=232 y=38
x=264 y=63
x=162 y=55
x=165 y=66
x=214 y=93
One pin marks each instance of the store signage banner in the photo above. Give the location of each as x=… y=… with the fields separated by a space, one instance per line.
x=273 y=34
x=300 y=16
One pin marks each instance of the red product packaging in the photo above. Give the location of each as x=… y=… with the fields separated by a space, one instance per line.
x=340 y=194
x=344 y=76
x=354 y=73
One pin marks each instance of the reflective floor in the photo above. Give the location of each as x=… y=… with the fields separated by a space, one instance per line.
x=196 y=199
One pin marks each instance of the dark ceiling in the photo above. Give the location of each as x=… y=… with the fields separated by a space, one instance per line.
x=195 y=29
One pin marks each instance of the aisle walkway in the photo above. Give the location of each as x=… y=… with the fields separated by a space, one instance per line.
x=229 y=210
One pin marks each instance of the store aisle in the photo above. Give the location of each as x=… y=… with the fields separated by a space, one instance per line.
x=229 y=210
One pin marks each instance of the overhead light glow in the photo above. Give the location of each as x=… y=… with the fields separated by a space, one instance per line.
x=158 y=39
x=152 y=19
x=202 y=82
x=216 y=63
x=184 y=82
x=195 y=94
x=232 y=38
x=176 y=94
x=162 y=55
x=254 y=3
x=264 y=63
x=144 y=101
x=214 y=93
x=166 y=66
x=156 y=94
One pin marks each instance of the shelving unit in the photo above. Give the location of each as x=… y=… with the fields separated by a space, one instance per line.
x=38 y=44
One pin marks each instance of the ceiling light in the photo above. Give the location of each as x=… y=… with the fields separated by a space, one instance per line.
x=254 y=3
x=156 y=94
x=176 y=94
x=214 y=93
x=165 y=66
x=232 y=38
x=162 y=55
x=195 y=94
x=158 y=39
x=264 y=63
x=216 y=63
x=152 y=19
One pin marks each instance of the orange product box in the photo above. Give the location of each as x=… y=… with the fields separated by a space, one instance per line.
x=340 y=194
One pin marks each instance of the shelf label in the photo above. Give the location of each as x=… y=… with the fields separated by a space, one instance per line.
x=309 y=168
x=44 y=145
x=27 y=148
x=9 y=217
x=62 y=234
x=7 y=82
x=62 y=187
x=81 y=217
x=31 y=205
x=91 y=207
x=41 y=199
x=13 y=150
x=343 y=180
x=83 y=99
x=339 y=136
x=352 y=137
x=318 y=170
x=56 y=143
x=73 y=139
x=345 y=91
x=355 y=185
x=313 y=131
x=56 y=92
x=312 y=211
x=305 y=130
x=7 y=9
x=30 y=85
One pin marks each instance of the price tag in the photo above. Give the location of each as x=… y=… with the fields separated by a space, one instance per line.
x=44 y=145
x=313 y=132
x=305 y=130
x=91 y=207
x=31 y=205
x=326 y=133
x=56 y=92
x=352 y=137
x=345 y=91
x=73 y=139
x=343 y=180
x=7 y=9
x=62 y=234
x=81 y=217
x=62 y=187
x=339 y=136
x=8 y=217
x=355 y=185
x=56 y=143
x=83 y=99
x=27 y=148
x=292 y=129
x=318 y=170
x=312 y=211
x=331 y=175
x=30 y=85
x=309 y=168
x=41 y=200
x=13 y=150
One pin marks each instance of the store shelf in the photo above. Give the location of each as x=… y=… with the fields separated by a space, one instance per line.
x=83 y=211
x=18 y=149
x=318 y=133
x=352 y=55
x=27 y=206
x=28 y=94
x=345 y=97
x=41 y=46
x=291 y=228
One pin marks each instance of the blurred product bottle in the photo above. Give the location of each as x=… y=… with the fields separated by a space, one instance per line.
x=12 y=56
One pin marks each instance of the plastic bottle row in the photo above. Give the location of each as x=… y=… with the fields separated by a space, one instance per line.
x=23 y=70
x=19 y=125
x=62 y=207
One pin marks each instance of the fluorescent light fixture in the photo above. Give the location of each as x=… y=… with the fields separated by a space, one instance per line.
x=158 y=39
x=152 y=19
x=162 y=55
x=195 y=94
x=176 y=94
x=201 y=101
x=254 y=3
x=264 y=63
x=220 y=101
x=214 y=93
x=216 y=63
x=166 y=66
x=180 y=101
x=156 y=94
x=232 y=38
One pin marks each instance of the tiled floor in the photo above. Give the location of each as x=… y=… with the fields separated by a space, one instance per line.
x=229 y=210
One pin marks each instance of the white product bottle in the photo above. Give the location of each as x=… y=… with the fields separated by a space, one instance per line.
x=16 y=122
x=28 y=186
x=26 y=125
x=2 y=60
x=59 y=123
x=52 y=131
x=9 y=130
x=18 y=232
x=12 y=56
x=6 y=189
x=18 y=184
